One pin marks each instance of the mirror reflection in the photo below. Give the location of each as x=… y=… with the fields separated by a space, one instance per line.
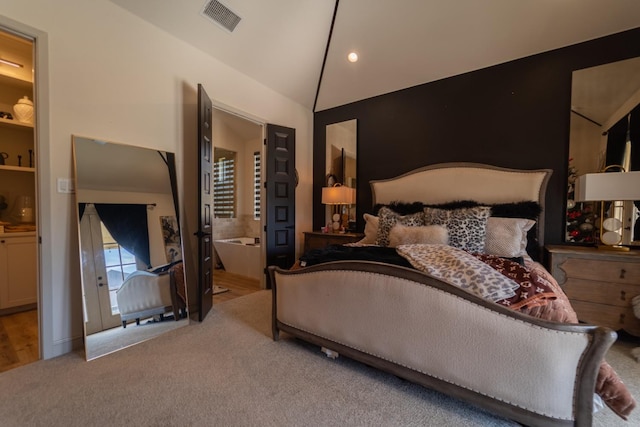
x=341 y=149
x=605 y=119
x=133 y=286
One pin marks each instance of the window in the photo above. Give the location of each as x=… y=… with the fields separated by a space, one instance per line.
x=224 y=184
x=257 y=172
x=119 y=263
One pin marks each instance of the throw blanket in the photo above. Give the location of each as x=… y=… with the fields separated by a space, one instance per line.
x=461 y=269
x=538 y=295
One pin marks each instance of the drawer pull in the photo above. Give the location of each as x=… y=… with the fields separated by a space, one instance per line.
x=621 y=318
x=623 y=295
x=622 y=272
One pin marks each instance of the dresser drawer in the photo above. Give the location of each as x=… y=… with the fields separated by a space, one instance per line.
x=605 y=315
x=606 y=271
x=601 y=292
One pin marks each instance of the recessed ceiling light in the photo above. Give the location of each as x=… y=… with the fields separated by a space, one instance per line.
x=352 y=57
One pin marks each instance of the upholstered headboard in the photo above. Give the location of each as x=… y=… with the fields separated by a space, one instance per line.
x=450 y=182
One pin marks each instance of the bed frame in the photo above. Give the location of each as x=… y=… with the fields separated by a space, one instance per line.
x=414 y=326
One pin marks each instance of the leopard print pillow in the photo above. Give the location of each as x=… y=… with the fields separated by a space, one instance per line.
x=467 y=226
x=388 y=218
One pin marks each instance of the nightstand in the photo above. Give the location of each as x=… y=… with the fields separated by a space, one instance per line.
x=317 y=239
x=600 y=284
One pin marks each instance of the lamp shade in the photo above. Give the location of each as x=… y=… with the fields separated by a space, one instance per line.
x=608 y=186
x=339 y=195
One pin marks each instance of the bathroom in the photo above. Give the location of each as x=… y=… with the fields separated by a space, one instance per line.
x=237 y=193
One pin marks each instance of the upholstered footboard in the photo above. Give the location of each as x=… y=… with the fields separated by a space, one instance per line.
x=416 y=327
x=144 y=294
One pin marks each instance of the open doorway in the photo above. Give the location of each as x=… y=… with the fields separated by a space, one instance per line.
x=239 y=258
x=19 y=342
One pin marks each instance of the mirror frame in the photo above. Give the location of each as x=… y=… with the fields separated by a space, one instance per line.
x=601 y=97
x=102 y=178
x=341 y=159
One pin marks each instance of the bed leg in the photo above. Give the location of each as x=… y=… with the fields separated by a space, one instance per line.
x=330 y=353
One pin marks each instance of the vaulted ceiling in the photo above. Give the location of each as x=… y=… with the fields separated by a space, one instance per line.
x=400 y=43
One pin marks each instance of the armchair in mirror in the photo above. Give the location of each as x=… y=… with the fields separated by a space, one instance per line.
x=341 y=148
x=605 y=127
x=133 y=285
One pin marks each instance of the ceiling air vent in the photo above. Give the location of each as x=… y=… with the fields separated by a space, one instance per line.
x=221 y=15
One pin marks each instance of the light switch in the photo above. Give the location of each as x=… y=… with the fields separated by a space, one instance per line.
x=66 y=185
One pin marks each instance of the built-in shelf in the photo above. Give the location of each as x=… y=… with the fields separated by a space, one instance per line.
x=15 y=81
x=15 y=124
x=16 y=168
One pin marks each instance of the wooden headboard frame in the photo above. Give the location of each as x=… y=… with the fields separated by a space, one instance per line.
x=450 y=182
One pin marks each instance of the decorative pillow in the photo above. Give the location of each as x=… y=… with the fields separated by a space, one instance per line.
x=388 y=218
x=370 y=230
x=523 y=209
x=402 y=208
x=467 y=227
x=460 y=269
x=429 y=234
x=507 y=237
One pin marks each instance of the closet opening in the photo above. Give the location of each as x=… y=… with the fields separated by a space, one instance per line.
x=19 y=317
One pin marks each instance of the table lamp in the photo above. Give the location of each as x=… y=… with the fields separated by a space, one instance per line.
x=336 y=196
x=616 y=188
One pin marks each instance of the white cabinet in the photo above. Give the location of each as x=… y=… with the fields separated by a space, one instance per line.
x=18 y=279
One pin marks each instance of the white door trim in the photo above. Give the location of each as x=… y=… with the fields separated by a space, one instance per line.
x=47 y=347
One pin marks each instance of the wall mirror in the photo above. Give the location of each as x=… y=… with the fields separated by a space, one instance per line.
x=605 y=115
x=341 y=160
x=133 y=286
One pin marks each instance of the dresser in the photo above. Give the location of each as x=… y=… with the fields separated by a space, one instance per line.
x=317 y=239
x=599 y=283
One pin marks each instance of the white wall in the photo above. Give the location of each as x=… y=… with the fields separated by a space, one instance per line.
x=111 y=76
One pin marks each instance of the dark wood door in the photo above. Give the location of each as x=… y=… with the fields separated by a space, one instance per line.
x=205 y=201
x=281 y=196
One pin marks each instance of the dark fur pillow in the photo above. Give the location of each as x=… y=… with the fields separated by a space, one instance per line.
x=528 y=209
x=401 y=208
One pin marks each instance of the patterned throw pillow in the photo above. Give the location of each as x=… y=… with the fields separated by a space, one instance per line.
x=507 y=237
x=467 y=226
x=388 y=218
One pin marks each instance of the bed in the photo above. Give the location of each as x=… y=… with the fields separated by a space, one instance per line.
x=531 y=363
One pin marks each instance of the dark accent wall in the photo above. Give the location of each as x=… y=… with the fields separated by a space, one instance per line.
x=512 y=115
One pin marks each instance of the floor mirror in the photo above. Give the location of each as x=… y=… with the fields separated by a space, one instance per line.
x=133 y=285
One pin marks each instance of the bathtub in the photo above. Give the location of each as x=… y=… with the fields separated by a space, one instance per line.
x=240 y=255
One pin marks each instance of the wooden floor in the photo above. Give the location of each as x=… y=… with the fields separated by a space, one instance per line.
x=18 y=339
x=237 y=286
x=19 y=332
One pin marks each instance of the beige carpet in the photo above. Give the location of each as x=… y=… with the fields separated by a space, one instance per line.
x=227 y=371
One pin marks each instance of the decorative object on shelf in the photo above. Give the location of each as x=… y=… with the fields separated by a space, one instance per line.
x=614 y=188
x=30 y=158
x=24 y=110
x=339 y=195
x=5 y=115
x=581 y=216
x=23 y=209
x=3 y=156
x=19 y=160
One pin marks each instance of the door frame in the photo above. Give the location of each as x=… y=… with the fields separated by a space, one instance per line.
x=47 y=348
x=263 y=151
